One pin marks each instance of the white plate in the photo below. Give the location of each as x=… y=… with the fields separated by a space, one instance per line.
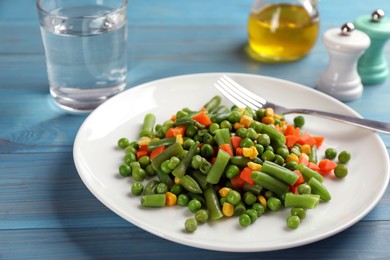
x=97 y=161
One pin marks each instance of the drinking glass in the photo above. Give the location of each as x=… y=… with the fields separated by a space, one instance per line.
x=85 y=45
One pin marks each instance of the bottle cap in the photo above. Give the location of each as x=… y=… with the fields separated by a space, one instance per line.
x=346 y=39
x=376 y=25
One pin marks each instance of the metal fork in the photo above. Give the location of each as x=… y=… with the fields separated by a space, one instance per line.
x=242 y=97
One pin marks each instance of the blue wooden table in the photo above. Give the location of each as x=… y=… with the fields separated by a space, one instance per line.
x=46 y=211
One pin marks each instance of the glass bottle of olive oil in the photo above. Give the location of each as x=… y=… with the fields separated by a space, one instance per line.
x=280 y=31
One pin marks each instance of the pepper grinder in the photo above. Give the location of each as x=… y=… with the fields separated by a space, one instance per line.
x=341 y=79
x=372 y=65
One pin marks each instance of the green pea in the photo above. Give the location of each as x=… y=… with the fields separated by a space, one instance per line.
x=344 y=157
x=260 y=113
x=207 y=150
x=196 y=161
x=274 y=203
x=245 y=220
x=296 y=149
x=191 y=131
x=123 y=143
x=202 y=216
x=181 y=113
x=278 y=159
x=341 y=171
x=139 y=174
x=188 y=143
x=268 y=194
x=252 y=214
x=190 y=225
x=233 y=197
x=259 y=148
x=246 y=142
x=232 y=171
x=137 y=188
x=194 y=205
x=173 y=162
x=256 y=125
x=165 y=167
x=304 y=189
x=251 y=134
x=135 y=165
x=241 y=132
x=161 y=188
x=226 y=124
x=291 y=165
x=150 y=170
x=182 y=200
x=330 y=153
x=129 y=158
x=234 y=117
x=213 y=127
x=293 y=222
x=259 y=208
x=249 y=198
x=208 y=139
x=125 y=170
x=177 y=189
x=299 y=121
x=283 y=151
x=264 y=140
x=130 y=149
x=300 y=212
x=144 y=161
x=268 y=155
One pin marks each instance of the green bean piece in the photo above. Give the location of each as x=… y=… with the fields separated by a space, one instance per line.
x=293 y=221
x=239 y=161
x=239 y=208
x=172 y=150
x=200 y=178
x=280 y=172
x=191 y=225
x=255 y=189
x=218 y=118
x=308 y=173
x=190 y=184
x=212 y=203
x=319 y=189
x=222 y=136
x=313 y=157
x=341 y=171
x=151 y=187
x=160 y=142
x=218 y=167
x=196 y=161
x=181 y=168
x=274 y=134
x=137 y=188
x=221 y=109
x=205 y=166
x=269 y=182
x=306 y=201
x=153 y=200
x=213 y=103
x=184 y=121
x=148 y=125
x=164 y=178
x=202 y=216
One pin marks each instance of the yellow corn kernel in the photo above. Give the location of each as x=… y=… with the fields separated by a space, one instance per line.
x=179 y=139
x=305 y=156
x=268 y=120
x=277 y=116
x=171 y=198
x=292 y=157
x=224 y=191
x=283 y=128
x=306 y=149
x=254 y=166
x=176 y=180
x=241 y=110
x=227 y=209
x=261 y=199
x=238 y=125
x=246 y=120
x=269 y=111
x=144 y=140
x=250 y=152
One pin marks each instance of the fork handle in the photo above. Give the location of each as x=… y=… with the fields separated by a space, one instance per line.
x=365 y=123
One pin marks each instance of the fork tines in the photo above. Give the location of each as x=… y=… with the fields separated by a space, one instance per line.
x=237 y=94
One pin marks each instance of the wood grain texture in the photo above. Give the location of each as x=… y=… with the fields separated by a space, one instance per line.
x=46 y=212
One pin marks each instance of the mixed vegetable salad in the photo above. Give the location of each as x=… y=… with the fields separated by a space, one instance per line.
x=221 y=162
